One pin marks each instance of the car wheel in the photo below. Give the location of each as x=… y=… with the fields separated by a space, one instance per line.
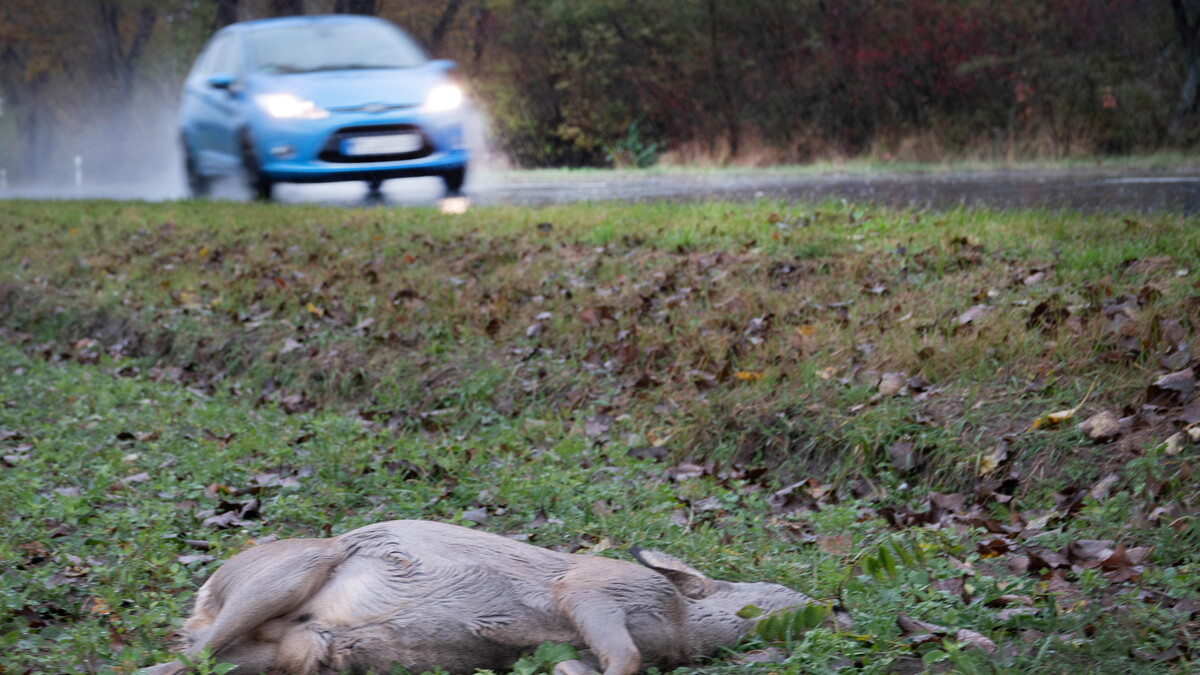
x=198 y=184
x=454 y=180
x=260 y=186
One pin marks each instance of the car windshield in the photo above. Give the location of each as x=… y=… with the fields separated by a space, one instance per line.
x=333 y=46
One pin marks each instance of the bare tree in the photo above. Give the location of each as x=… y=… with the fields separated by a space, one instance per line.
x=1189 y=30
x=122 y=59
x=439 y=30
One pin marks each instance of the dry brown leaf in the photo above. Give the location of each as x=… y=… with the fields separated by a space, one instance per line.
x=1103 y=487
x=975 y=640
x=891 y=384
x=911 y=626
x=904 y=457
x=1171 y=389
x=971 y=315
x=839 y=545
x=1101 y=427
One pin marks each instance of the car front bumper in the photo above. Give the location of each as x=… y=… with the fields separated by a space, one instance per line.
x=308 y=151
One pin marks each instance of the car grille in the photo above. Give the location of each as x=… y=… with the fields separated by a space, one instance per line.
x=332 y=150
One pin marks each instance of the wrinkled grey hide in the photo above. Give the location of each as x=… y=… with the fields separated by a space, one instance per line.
x=421 y=595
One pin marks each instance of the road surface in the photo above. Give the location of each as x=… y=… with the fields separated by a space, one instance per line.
x=1085 y=190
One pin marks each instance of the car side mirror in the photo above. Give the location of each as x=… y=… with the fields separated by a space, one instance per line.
x=221 y=82
x=444 y=65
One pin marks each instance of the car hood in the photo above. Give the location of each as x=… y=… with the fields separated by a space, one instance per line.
x=353 y=88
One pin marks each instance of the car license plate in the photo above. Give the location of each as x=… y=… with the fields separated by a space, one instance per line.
x=394 y=144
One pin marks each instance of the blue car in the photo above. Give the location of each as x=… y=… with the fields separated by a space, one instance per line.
x=318 y=99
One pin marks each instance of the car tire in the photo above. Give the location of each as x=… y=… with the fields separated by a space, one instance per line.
x=261 y=187
x=454 y=180
x=199 y=186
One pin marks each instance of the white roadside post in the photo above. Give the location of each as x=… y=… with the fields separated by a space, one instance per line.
x=78 y=171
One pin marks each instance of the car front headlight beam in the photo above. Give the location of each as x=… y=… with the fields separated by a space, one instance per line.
x=287 y=106
x=443 y=98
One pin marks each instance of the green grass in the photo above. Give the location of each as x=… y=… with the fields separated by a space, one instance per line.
x=407 y=364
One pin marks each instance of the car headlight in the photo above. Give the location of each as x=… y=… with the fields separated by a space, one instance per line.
x=289 y=106
x=442 y=98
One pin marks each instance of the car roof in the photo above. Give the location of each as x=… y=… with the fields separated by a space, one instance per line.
x=278 y=22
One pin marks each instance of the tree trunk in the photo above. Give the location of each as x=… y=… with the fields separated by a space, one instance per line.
x=120 y=61
x=227 y=13
x=728 y=111
x=354 y=7
x=1188 y=30
x=287 y=7
x=443 y=24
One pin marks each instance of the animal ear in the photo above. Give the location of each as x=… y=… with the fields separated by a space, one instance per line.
x=687 y=580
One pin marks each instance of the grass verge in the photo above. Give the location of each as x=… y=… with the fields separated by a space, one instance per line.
x=768 y=390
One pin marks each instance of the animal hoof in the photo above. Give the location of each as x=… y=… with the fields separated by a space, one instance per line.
x=573 y=667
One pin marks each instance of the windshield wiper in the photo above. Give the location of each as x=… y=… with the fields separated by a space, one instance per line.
x=291 y=70
x=347 y=66
x=280 y=69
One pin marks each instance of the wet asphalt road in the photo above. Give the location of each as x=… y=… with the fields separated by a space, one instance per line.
x=1085 y=191
x=1094 y=190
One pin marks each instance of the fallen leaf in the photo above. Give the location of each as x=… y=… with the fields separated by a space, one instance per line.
x=685 y=471
x=655 y=452
x=595 y=316
x=1054 y=419
x=1101 y=427
x=838 y=545
x=971 y=315
x=993 y=459
x=904 y=457
x=95 y=605
x=1089 y=550
x=478 y=516
x=891 y=384
x=1174 y=444
x=290 y=345
x=1103 y=487
x=974 y=640
x=920 y=632
x=1010 y=612
x=597 y=426
x=1172 y=389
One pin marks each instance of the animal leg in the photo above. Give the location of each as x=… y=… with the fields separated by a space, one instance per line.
x=601 y=624
x=253 y=587
x=252 y=657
